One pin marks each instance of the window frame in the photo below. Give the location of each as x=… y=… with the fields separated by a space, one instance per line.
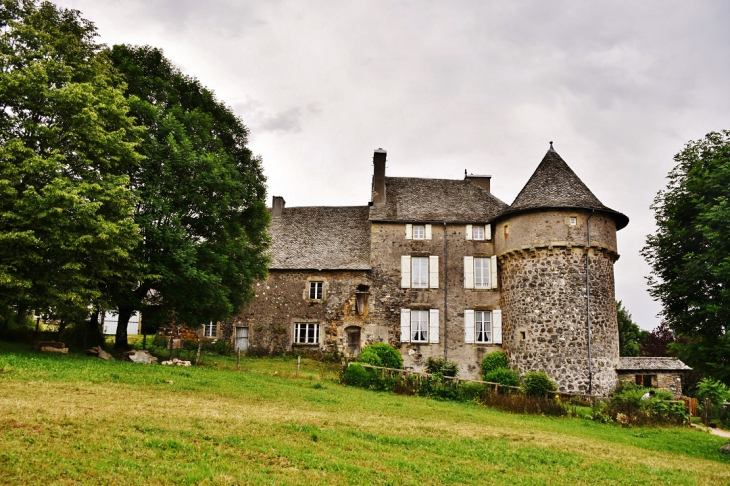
x=210 y=330
x=477 y=228
x=422 y=269
x=482 y=332
x=419 y=231
x=486 y=270
x=306 y=327
x=422 y=325
x=318 y=287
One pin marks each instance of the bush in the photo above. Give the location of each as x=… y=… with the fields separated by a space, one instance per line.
x=381 y=354
x=503 y=376
x=471 y=391
x=442 y=367
x=356 y=375
x=494 y=361
x=538 y=384
x=713 y=390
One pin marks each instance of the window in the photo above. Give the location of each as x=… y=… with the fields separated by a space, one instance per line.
x=483 y=320
x=315 y=290
x=478 y=232
x=483 y=326
x=211 y=329
x=306 y=333
x=418 y=232
x=573 y=220
x=420 y=272
x=480 y=272
x=419 y=326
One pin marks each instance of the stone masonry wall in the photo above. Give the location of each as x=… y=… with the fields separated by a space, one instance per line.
x=388 y=298
x=282 y=301
x=544 y=300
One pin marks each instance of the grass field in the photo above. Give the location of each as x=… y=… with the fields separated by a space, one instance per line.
x=78 y=420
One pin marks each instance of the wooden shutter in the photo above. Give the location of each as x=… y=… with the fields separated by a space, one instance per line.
x=427 y=232
x=405 y=325
x=405 y=271
x=493 y=272
x=433 y=326
x=468 y=326
x=487 y=231
x=497 y=326
x=433 y=272
x=468 y=272
x=409 y=232
x=469 y=232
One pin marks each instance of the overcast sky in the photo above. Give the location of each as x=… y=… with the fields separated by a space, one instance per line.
x=620 y=87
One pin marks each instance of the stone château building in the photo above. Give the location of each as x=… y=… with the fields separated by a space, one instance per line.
x=444 y=269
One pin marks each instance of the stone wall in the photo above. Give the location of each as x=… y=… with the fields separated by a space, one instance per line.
x=543 y=274
x=451 y=299
x=665 y=380
x=282 y=301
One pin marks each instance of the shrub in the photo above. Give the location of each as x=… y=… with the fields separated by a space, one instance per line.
x=442 y=367
x=356 y=375
x=538 y=384
x=381 y=354
x=503 y=376
x=717 y=392
x=494 y=361
x=471 y=391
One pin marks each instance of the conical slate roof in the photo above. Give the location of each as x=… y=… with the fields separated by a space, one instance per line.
x=555 y=185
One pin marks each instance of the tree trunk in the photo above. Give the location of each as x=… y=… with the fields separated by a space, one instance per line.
x=92 y=329
x=120 y=340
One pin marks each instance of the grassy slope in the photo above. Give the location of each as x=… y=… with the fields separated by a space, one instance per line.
x=72 y=419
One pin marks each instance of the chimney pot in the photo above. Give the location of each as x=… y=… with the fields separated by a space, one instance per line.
x=483 y=181
x=277 y=206
x=379 y=177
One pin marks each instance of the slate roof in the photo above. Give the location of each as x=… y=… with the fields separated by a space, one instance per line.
x=321 y=238
x=415 y=199
x=554 y=184
x=649 y=363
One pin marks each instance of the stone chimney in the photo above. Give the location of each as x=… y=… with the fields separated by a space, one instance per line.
x=379 y=177
x=277 y=206
x=482 y=181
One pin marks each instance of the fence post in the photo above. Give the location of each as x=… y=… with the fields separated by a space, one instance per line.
x=238 y=359
x=299 y=363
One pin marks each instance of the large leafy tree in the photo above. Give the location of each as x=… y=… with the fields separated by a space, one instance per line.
x=67 y=143
x=201 y=210
x=630 y=335
x=690 y=253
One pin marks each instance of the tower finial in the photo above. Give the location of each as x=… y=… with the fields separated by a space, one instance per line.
x=464 y=173
x=551 y=145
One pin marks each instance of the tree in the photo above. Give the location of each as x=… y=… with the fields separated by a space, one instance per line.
x=659 y=342
x=690 y=253
x=201 y=209
x=630 y=336
x=67 y=142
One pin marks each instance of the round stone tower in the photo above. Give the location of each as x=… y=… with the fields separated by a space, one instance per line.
x=555 y=242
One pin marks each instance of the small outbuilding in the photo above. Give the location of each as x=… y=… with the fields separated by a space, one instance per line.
x=653 y=372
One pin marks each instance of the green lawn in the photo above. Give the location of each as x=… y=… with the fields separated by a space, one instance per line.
x=73 y=419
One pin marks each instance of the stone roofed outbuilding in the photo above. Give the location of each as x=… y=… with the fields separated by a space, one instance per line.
x=320 y=238
x=653 y=371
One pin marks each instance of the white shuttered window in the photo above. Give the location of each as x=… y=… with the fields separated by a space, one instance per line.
x=483 y=327
x=419 y=326
x=480 y=273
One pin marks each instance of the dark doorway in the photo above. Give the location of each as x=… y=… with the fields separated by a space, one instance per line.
x=353 y=341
